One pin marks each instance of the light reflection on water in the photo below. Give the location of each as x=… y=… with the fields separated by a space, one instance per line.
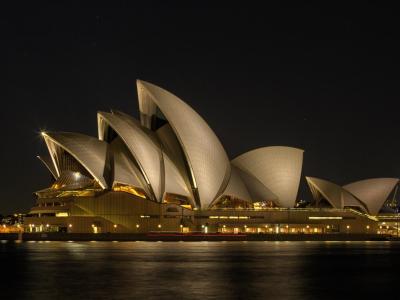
x=198 y=270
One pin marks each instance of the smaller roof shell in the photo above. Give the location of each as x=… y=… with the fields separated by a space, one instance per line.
x=88 y=151
x=373 y=192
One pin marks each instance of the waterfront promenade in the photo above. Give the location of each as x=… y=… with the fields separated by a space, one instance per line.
x=171 y=236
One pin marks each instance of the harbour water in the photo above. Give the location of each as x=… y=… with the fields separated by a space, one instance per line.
x=198 y=270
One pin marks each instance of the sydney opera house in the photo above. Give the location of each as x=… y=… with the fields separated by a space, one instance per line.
x=169 y=172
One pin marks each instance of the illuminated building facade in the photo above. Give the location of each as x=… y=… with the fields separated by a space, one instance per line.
x=168 y=171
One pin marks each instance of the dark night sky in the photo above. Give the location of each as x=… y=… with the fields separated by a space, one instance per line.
x=322 y=78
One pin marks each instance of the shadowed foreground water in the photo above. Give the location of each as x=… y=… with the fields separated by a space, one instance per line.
x=198 y=270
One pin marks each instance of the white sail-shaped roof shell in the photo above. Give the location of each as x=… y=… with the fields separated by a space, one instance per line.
x=336 y=195
x=171 y=147
x=146 y=153
x=349 y=200
x=257 y=190
x=206 y=158
x=329 y=191
x=88 y=151
x=373 y=192
x=176 y=177
x=174 y=182
x=171 y=179
x=278 y=168
x=125 y=171
x=236 y=187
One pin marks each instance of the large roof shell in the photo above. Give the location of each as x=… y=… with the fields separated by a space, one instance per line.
x=207 y=160
x=277 y=167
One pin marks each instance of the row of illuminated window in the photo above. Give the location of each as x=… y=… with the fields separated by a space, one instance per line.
x=49 y=204
x=164 y=216
x=330 y=218
x=43 y=215
x=230 y=217
x=325 y=218
x=176 y=217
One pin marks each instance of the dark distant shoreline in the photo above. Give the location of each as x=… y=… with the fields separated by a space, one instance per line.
x=187 y=238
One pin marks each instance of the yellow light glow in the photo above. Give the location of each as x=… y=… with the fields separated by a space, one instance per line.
x=70 y=225
x=83 y=193
x=325 y=218
x=348 y=226
x=367 y=226
x=159 y=225
x=137 y=225
x=130 y=190
x=62 y=214
x=115 y=226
